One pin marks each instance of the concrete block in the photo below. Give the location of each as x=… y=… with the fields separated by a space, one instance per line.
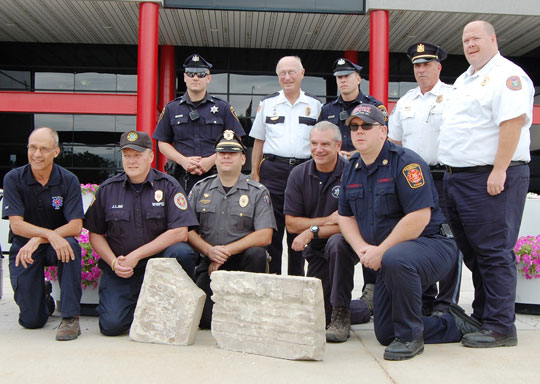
x=170 y=305
x=277 y=316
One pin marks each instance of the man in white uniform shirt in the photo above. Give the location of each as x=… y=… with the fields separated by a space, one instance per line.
x=281 y=130
x=484 y=143
x=415 y=123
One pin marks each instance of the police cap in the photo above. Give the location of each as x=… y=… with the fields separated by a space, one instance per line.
x=343 y=67
x=425 y=52
x=368 y=113
x=196 y=63
x=230 y=142
x=138 y=141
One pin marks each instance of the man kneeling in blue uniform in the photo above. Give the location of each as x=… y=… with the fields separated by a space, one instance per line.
x=138 y=214
x=390 y=215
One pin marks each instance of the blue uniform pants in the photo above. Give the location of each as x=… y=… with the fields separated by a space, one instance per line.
x=486 y=230
x=28 y=284
x=118 y=296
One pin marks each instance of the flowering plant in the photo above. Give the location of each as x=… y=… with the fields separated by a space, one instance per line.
x=527 y=252
x=90 y=271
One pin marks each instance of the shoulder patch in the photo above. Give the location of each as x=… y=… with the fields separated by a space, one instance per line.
x=414 y=176
x=384 y=111
x=234 y=113
x=180 y=201
x=161 y=115
x=513 y=83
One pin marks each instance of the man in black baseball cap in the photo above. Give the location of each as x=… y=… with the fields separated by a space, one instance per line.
x=138 y=141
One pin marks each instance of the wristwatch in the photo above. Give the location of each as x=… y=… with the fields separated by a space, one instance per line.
x=315 y=230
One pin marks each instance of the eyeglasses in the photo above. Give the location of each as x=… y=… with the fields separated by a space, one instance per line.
x=43 y=150
x=365 y=127
x=200 y=75
x=291 y=73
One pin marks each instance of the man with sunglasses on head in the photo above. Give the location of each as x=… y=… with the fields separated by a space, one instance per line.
x=389 y=215
x=189 y=126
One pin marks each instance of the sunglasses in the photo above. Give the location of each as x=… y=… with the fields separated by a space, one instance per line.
x=365 y=127
x=200 y=75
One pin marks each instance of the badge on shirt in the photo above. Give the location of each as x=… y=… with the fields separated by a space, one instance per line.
x=57 y=202
x=161 y=115
x=485 y=81
x=513 y=83
x=414 y=176
x=243 y=201
x=385 y=161
x=439 y=99
x=214 y=109
x=308 y=111
x=205 y=201
x=158 y=195
x=335 y=192
x=180 y=201
x=259 y=108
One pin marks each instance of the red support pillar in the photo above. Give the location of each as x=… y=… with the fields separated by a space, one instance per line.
x=379 y=54
x=351 y=55
x=167 y=86
x=147 y=67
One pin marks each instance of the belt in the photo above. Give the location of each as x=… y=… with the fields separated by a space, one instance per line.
x=288 y=160
x=437 y=168
x=479 y=168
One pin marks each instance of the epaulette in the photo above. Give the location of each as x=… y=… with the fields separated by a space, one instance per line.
x=270 y=96
x=115 y=179
x=207 y=178
x=312 y=96
x=254 y=183
x=373 y=100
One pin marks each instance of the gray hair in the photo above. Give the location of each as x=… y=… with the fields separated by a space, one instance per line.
x=328 y=126
x=52 y=132
x=293 y=57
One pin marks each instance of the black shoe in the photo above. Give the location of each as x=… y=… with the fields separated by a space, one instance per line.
x=465 y=323
x=403 y=350
x=48 y=298
x=487 y=338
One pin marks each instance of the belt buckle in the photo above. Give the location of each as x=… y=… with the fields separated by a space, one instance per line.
x=292 y=161
x=448 y=169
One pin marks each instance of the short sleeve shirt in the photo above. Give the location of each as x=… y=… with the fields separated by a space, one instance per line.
x=50 y=206
x=130 y=219
x=397 y=183
x=227 y=217
x=194 y=130
x=285 y=128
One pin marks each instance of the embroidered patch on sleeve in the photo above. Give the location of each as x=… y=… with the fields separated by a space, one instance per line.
x=161 y=115
x=513 y=83
x=180 y=201
x=414 y=176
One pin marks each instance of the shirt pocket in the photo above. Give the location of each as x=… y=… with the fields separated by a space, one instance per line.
x=207 y=215
x=355 y=197
x=216 y=127
x=242 y=218
x=118 y=223
x=180 y=126
x=156 y=220
x=272 y=120
x=307 y=120
x=386 y=201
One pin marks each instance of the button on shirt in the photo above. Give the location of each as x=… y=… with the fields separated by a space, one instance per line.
x=397 y=183
x=227 y=217
x=332 y=112
x=130 y=219
x=416 y=120
x=49 y=206
x=479 y=103
x=285 y=128
x=196 y=137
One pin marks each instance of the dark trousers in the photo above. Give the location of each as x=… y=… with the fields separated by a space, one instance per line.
x=187 y=180
x=273 y=175
x=486 y=229
x=251 y=260
x=28 y=284
x=118 y=296
x=407 y=269
x=318 y=266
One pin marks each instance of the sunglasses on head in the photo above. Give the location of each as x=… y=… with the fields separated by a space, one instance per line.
x=365 y=127
x=200 y=75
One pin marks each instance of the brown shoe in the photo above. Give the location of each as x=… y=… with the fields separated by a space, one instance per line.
x=69 y=329
x=339 y=329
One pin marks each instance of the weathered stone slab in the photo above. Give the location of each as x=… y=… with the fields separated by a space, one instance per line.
x=277 y=316
x=170 y=305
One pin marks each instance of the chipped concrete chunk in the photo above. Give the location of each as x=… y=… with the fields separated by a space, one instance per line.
x=170 y=305
x=277 y=316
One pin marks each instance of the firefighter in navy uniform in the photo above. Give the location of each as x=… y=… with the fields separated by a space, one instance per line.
x=190 y=125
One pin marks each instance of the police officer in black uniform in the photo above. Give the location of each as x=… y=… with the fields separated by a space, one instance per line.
x=136 y=215
x=348 y=81
x=389 y=214
x=189 y=126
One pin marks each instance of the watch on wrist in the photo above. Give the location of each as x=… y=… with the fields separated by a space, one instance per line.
x=315 y=230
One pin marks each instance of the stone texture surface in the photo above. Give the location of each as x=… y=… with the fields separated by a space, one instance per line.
x=277 y=316
x=170 y=305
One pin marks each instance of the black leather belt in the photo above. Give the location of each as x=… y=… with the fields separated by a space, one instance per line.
x=479 y=168
x=288 y=160
x=437 y=168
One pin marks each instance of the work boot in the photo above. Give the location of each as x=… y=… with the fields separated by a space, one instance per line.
x=367 y=296
x=48 y=298
x=339 y=329
x=403 y=350
x=465 y=323
x=487 y=338
x=69 y=329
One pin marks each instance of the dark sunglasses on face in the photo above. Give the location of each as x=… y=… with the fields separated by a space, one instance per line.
x=200 y=75
x=365 y=127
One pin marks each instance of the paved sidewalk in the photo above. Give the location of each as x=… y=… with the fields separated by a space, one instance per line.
x=33 y=356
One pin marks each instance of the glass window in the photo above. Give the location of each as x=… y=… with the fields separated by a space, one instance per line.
x=19 y=80
x=91 y=81
x=217 y=85
x=54 y=81
x=126 y=83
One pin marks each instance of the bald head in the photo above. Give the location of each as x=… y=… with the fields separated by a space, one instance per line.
x=479 y=43
x=46 y=130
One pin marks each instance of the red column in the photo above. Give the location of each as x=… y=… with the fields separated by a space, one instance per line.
x=379 y=53
x=167 y=86
x=351 y=55
x=147 y=67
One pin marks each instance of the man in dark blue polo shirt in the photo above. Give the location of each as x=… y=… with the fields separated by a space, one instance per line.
x=189 y=126
x=390 y=215
x=139 y=214
x=44 y=205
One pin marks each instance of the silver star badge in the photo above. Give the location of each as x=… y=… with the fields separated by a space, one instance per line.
x=214 y=109
x=341 y=62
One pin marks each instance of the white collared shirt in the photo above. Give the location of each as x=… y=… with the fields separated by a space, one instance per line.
x=285 y=127
x=479 y=103
x=416 y=120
